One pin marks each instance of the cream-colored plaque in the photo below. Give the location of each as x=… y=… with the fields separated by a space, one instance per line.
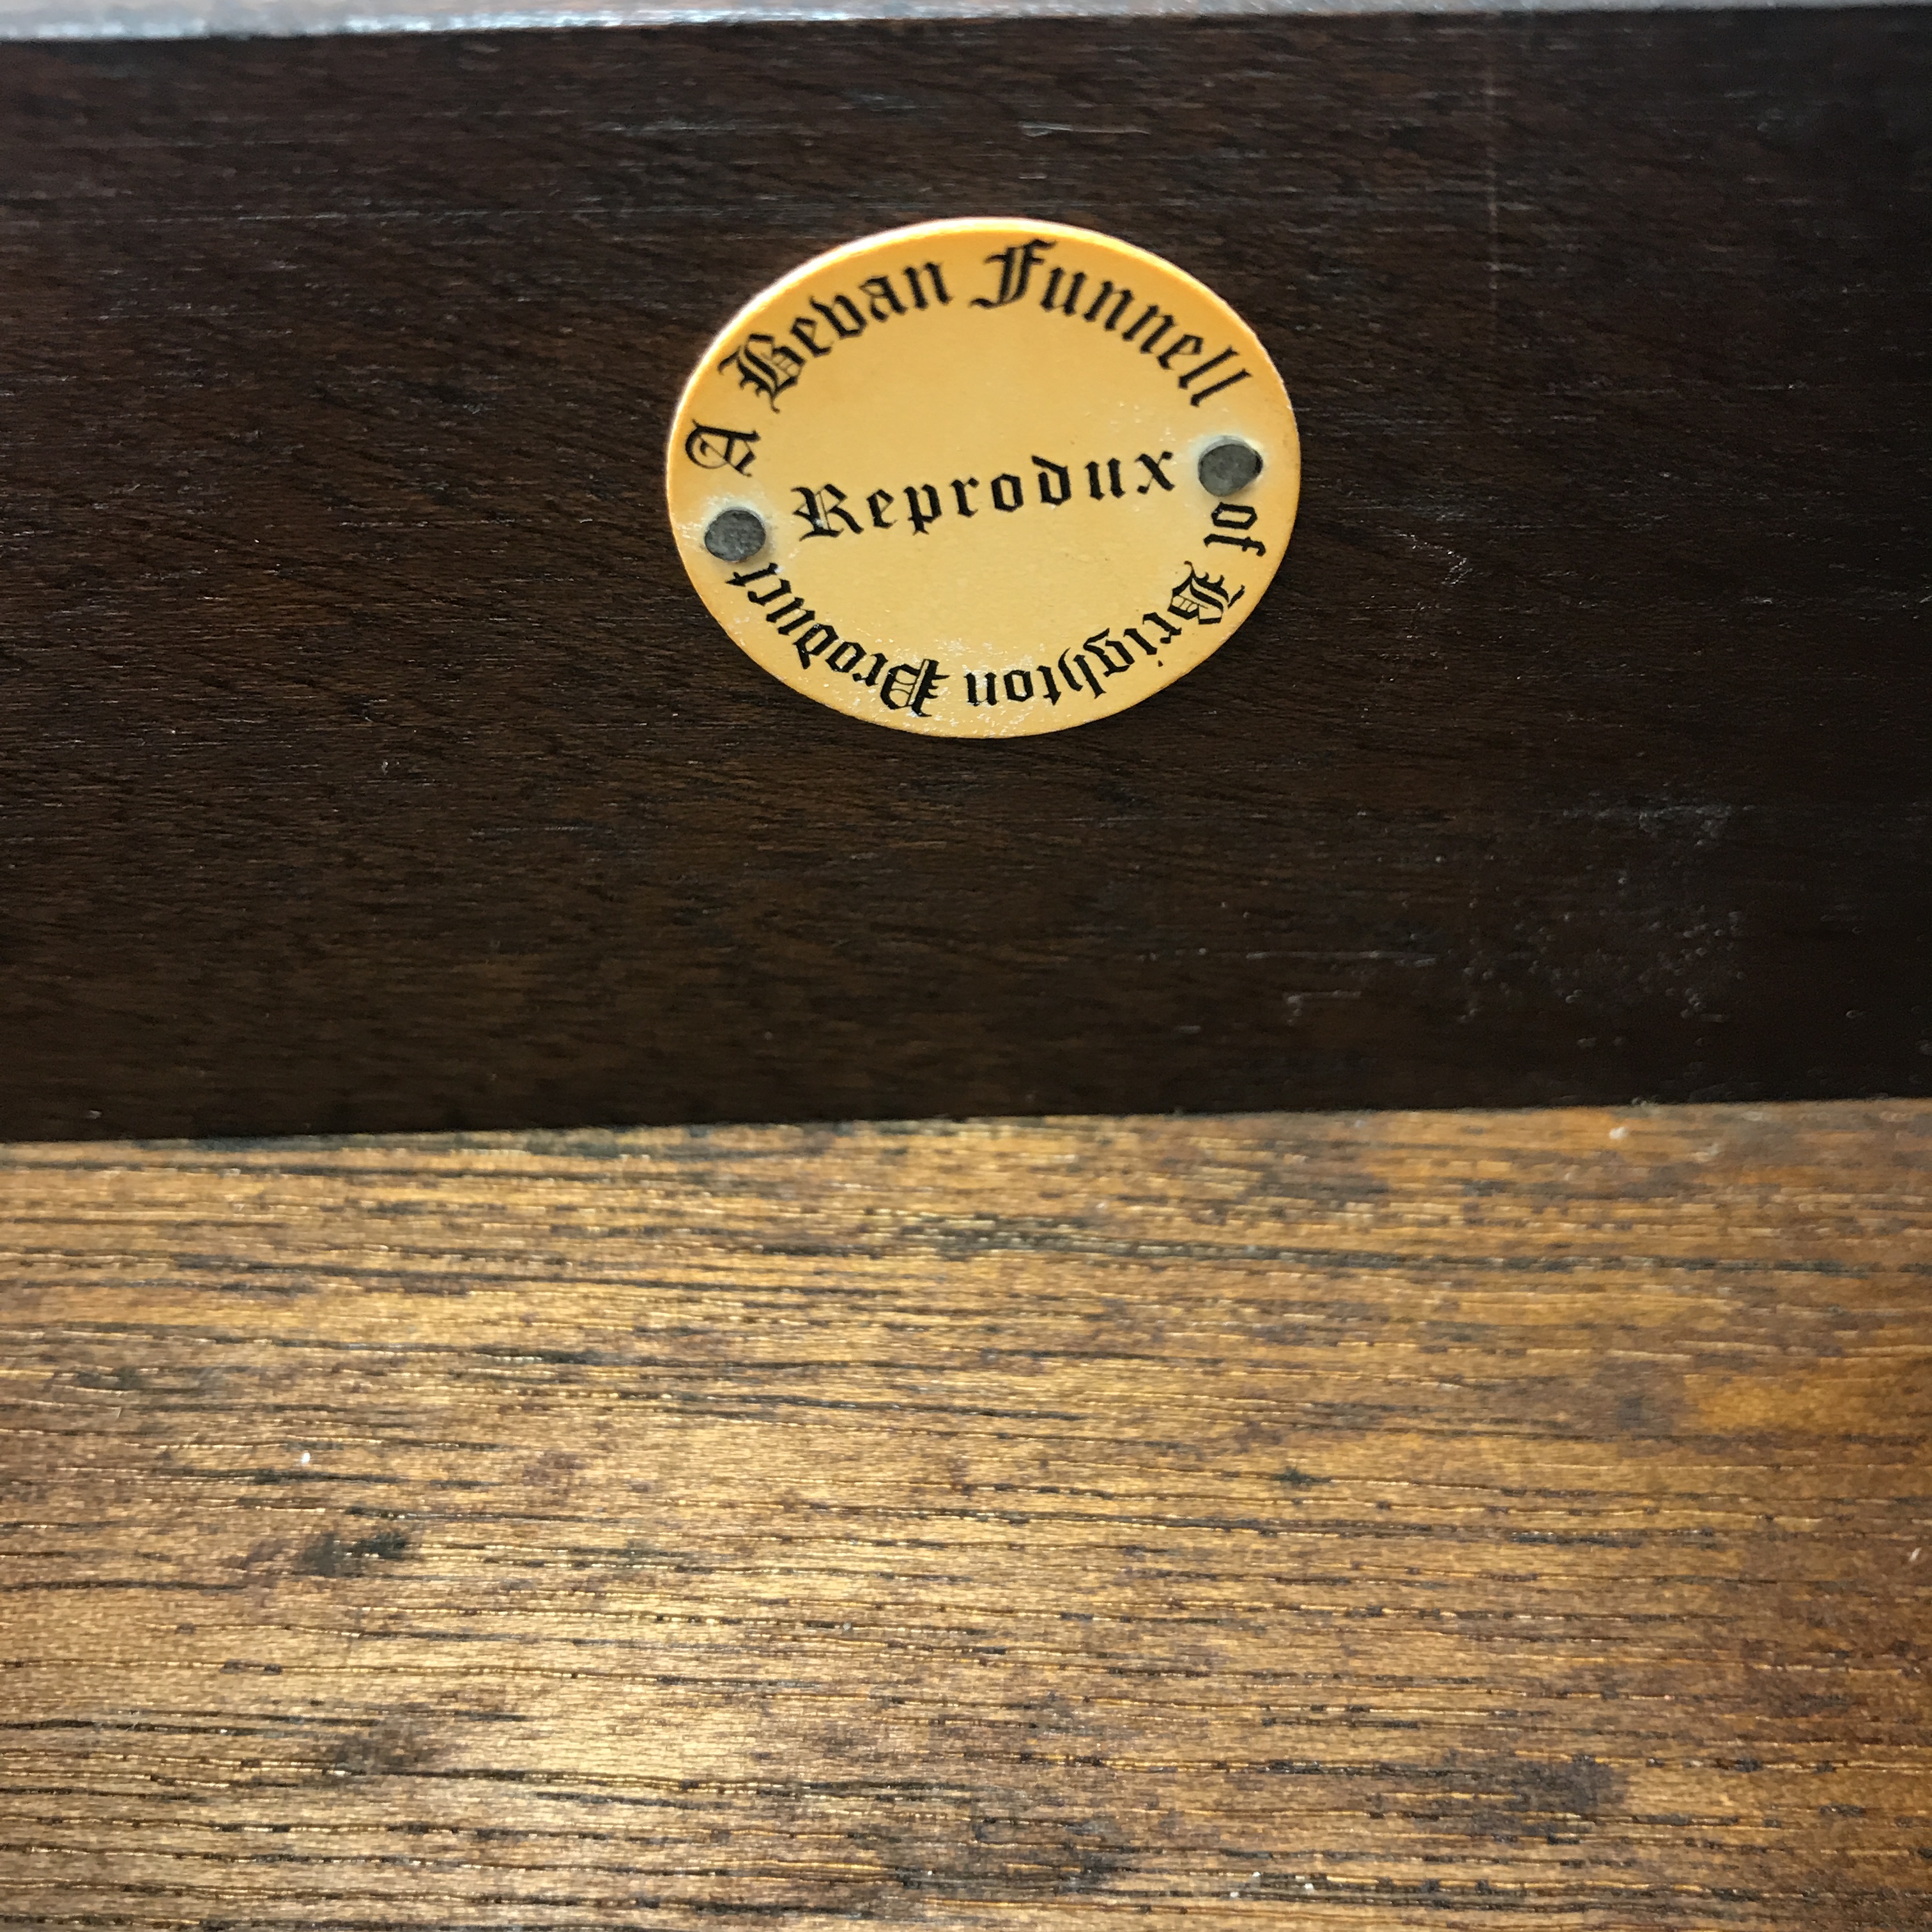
x=981 y=478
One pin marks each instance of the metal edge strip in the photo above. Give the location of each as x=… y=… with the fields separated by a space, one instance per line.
x=195 y=19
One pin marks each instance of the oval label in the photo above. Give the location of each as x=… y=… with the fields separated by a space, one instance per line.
x=985 y=478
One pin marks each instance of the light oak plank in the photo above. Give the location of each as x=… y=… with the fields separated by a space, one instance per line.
x=1427 y=1520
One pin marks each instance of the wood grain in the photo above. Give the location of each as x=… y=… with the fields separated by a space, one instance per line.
x=1453 y=1520
x=369 y=765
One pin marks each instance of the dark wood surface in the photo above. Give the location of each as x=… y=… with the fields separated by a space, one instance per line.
x=1437 y=1521
x=367 y=763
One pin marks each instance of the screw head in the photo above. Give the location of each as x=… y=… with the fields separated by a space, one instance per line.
x=1229 y=465
x=733 y=535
